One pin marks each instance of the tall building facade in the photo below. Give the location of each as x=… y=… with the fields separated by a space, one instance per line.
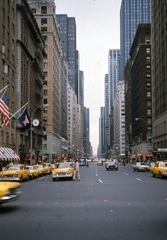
x=102 y=150
x=131 y=14
x=29 y=79
x=113 y=74
x=45 y=14
x=119 y=118
x=106 y=103
x=8 y=68
x=67 y=26
x=87 y=149
x=159 y=73
x=140 y=74
x=111 y=81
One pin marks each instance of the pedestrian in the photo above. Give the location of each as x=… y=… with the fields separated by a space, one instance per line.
x=76 y=171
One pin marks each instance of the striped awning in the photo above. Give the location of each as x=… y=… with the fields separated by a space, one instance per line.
x=8 y=153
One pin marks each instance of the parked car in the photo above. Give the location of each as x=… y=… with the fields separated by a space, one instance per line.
x=63 y=170
x=48 y=167
x=15 y=172
x=159 y=169
x=141 y=166
x=33 y=172
x=111 y=165
x=9 y=191
x=40 y=169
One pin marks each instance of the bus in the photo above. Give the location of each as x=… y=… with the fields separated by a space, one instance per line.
x=160 y=154
x=82 y=161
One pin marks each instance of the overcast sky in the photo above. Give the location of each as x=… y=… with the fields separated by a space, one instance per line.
x=98 y=30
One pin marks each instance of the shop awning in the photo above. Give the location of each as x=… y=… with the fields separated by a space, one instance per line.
x=8 y=153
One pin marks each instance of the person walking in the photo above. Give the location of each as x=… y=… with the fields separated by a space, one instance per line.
x=76 y=171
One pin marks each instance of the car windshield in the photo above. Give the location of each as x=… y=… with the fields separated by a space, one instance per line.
x=29 y=167
x=162 y=165
x=142 y=163
x=64 y=165
x=12 y=167
x=39 y=166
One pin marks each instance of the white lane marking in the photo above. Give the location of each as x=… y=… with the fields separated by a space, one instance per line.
x=126 y=173
x=100 y=181
x=138 y=179
x=96 y=174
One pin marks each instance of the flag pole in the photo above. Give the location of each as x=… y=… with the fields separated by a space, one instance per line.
x=4 y=88
x=16 y=113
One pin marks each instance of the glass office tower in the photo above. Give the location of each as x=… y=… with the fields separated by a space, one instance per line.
x=131 y=14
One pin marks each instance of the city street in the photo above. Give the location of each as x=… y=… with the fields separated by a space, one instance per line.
x=104 y=205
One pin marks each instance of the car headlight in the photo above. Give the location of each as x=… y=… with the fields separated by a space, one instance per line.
x=16 y=173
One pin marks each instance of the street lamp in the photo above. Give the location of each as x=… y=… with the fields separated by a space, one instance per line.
x=40 y=106
x=148 y=134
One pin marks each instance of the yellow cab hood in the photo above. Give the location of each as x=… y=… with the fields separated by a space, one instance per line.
x=4 y=186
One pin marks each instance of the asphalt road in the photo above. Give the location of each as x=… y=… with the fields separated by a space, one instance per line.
x=104 y=205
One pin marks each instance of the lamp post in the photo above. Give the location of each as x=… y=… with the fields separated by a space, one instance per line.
x=148 y=134
x=40 y=106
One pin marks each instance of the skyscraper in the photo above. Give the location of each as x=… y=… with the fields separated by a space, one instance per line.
x=113 y=74
x=131 y=14
x=67 y=27
x=159 y=73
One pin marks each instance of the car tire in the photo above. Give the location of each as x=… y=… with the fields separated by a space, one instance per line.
x=107 y=169
x=28 y=178
x=153 y=175
x=160 y=175
x=53 y=179
x=32 y=177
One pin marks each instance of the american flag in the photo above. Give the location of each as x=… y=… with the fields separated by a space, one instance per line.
x=4 y=108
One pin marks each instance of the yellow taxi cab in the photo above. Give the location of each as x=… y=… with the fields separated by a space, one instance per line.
x=48 y=167
x=41 y=170
x=159 y=169
x=9 y=191
x=33 y=172
x=15 y=172
x=63 y=170
x=99 y=162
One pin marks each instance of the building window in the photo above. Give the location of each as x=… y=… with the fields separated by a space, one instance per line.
x=45 y=65
x=43 y=20
x=33 y=10
x=45 y=92
x=44 y=29
x=45 y=101
x=147 y=50
x=43 y=9
x=148 y=94
x=45 y=83
x=45 y=119
x=45 y=38
x=45 y=74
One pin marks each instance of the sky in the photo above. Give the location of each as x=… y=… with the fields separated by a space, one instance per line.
x=98 y=30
